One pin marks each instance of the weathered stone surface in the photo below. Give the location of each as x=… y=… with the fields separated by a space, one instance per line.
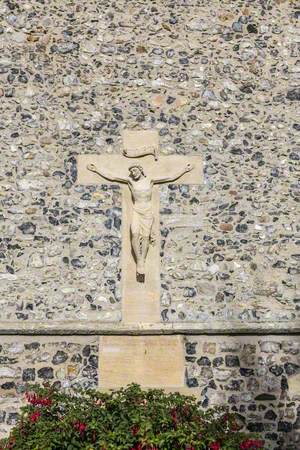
x=265 y=391
x=25 y=360
x=74 y=92
x=151 y=361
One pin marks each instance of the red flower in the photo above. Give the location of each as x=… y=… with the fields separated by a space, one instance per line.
x=137 y=447
x=251 y=444
x=34 y=400
x=215 y=446
x=34 y=417
x=135 y=429
x=80 y=426
x=174 y=416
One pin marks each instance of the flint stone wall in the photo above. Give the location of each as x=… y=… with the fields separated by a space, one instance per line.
x=217 y=79
x=67 y=362
x=257 y=377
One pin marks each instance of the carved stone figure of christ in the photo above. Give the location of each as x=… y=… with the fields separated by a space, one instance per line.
x=142 y=220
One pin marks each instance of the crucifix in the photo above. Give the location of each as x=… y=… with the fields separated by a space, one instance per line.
x=140 y=170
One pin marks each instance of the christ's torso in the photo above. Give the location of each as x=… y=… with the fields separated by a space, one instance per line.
x=141 y=191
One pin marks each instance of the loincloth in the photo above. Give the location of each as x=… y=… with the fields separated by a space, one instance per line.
x=142 y=220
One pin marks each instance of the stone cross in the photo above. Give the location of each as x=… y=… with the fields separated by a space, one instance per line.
x=139 y=171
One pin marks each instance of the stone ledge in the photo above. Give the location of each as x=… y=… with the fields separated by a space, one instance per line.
x=102 y=328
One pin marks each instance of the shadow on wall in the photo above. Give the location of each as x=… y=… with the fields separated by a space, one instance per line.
x=257 y=377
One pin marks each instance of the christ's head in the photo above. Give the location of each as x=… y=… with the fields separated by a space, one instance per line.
x=136 y=172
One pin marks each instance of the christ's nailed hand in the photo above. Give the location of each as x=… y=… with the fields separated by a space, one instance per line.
x=91 y=167
x=189 y=167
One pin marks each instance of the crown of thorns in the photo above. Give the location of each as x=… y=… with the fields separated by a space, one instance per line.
x=137 y=166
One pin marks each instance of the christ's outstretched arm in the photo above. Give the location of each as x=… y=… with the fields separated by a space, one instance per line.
x=174 y=177
x=106 y=174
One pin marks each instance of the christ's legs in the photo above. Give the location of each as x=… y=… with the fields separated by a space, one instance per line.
x=136 y=246
x=144 y=251
x=140 y=245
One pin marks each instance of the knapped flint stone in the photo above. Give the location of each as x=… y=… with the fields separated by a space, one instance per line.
x=12 y=418
x=28 y=374
x=93 y=360
x=271 y=437
x=21 y=388
x=189 y=292
x=232 y=361
x=265 y=397
x=212 y=384
x=90 y=372
x=32 y=346
x=291 y=368
x=71 y=168
x=8 y=385
x=59 y=357
x=77 y=263
x=205 y=402
x=64 y=48
x=203 y=361
x=284 y=426
x=284 y=383
x=246 y=372
x=294 y=156
x=86 y=350
x=190 y=348
x=27 y=228
x=192 y=382
x=270 y=415
x=241 y=228
x=279 y=265
x=252 y=28
x=218 y=361
x=255 y=427
x=237 y=27
x=233 y=399
x=293 y=94
x=234 y=385
x=252 y=407
x=190 y=359
x=7 y=360
x=46 y=373
x=77 y=358
x=276 y=370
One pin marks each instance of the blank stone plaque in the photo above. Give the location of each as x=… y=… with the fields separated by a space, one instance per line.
x=151 y=361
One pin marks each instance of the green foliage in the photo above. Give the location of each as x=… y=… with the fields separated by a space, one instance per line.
x=127 y=419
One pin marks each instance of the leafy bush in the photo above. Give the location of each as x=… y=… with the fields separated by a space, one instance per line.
x=128 y=419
